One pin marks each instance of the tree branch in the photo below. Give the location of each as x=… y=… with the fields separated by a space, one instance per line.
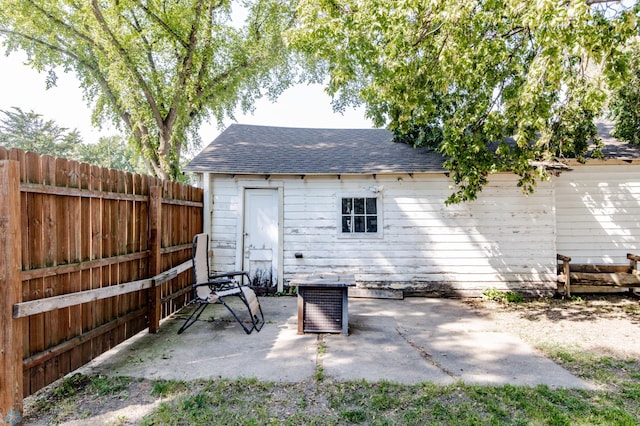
x=149 y=49
x=186 y=68
x=164 y=25
x=40 y=42
x=206 y=42
x=62 y=23
x=424 y=33
x=592 y=2
x=128 y=62
x=204 y=96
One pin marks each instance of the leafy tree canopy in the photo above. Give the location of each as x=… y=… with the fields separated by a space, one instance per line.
x=495 y=85
x=157 y=68
x=112 y=152
x=625 y=105
x=29 y=131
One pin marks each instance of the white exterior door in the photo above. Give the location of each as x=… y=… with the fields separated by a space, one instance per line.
x=261 y=236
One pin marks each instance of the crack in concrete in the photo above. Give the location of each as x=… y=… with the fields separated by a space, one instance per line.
x=426 y=355
x=320 y=350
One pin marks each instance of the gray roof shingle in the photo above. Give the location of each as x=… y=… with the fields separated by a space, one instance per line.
x=250 y=149
x=614 y=148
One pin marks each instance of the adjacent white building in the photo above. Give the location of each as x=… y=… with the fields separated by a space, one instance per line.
x=286 y=200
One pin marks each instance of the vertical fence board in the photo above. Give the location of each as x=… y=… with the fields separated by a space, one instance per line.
x=20 y=157
x=121 y=304
x=90 y=230
x=155 y=204
x=147 y=183
x=129 y=243
x=78 y=251
x=64 y=211
x=36 y=286
x=11 y=331
x=49 y=246
x=137 y=265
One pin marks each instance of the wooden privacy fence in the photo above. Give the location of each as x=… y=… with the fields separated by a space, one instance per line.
x=88 y=258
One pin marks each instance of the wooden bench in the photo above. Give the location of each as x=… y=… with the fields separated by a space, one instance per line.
x=591 y=278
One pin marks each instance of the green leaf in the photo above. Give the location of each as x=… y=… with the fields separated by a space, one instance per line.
x=468 y=76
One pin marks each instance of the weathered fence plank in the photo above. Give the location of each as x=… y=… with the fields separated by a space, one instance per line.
x=65 y=209
x=49 y=246
x=35 y=232
x=82 y=266
x=155 y=217
x=86 y=235
x=11 y=332
x=33 y=307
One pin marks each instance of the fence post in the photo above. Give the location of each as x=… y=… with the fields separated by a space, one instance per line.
x=11 y=382
x=155 y=258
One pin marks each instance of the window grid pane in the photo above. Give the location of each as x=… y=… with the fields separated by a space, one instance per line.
x=359 y=215
x=347 y=205
x=358 y=205
x=371 y=206
x=346 y=224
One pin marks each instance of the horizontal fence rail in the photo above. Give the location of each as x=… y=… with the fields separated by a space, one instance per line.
x=91 y=257
x=24 y=309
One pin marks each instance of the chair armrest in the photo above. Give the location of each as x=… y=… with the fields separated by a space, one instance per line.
x=215 y=283
x=563 y=258
x=230 y=275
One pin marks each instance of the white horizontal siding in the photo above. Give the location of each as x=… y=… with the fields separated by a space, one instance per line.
x=598 y=213
x=503 y=239
x=424 y=241
x=224 y=222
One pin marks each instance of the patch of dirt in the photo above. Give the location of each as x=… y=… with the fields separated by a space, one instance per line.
x=605 y=326
x=602 y=325
x=80 y=405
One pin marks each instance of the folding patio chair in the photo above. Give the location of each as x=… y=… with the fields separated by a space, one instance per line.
x=215 y=288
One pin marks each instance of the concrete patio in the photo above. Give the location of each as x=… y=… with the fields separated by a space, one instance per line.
x=405 y=341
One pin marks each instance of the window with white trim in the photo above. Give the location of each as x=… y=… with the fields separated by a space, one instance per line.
x=359 y=215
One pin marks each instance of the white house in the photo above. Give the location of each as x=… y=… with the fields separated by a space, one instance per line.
x=287 y=200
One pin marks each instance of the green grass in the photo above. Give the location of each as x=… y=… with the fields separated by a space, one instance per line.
x=102 y=385
x=325 y=402
x=391 y=404
x=167 y=388
x=76 y=384
x=502 y=296
x=606 y=371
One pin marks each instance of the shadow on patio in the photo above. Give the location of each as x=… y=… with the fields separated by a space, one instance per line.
x=405 y=341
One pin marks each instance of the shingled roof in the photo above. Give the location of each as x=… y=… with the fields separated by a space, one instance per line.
x=248 y=149
x=267 y=150
x=614 y=148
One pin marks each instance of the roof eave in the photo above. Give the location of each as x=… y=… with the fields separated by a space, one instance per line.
x=572 y=162
x=315 y=174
